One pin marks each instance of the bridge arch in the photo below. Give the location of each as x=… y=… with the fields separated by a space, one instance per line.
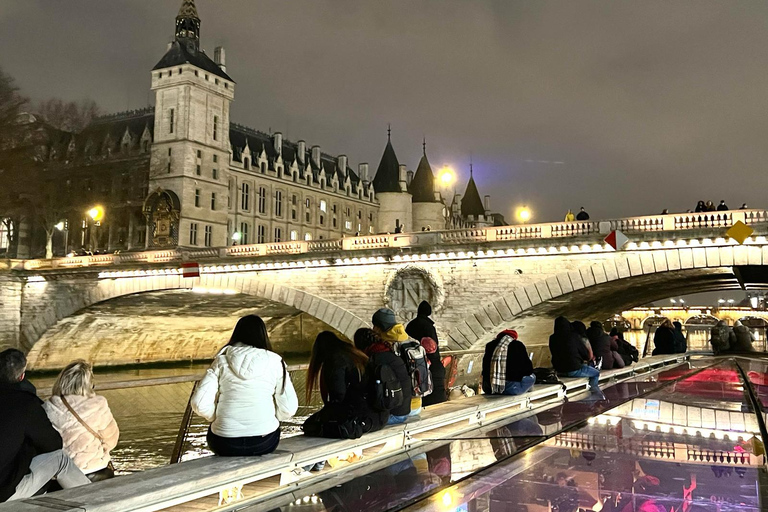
x=46 y=313
x=627 y=277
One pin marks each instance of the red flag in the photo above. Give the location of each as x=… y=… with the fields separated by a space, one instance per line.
x=616 y=239
x=190 y=269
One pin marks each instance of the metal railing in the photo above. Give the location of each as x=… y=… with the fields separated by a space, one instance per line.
x=554 y=230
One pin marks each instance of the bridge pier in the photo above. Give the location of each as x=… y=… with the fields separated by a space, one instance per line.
x=11 y=290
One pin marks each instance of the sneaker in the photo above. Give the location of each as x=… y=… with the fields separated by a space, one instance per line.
x=598 y=363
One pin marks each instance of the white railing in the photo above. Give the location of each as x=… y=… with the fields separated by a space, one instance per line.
x=650 y=223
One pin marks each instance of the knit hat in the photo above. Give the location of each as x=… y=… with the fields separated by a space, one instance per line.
x=384 y=319
x=509 y=332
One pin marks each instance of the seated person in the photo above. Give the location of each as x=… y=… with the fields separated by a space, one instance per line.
x=570 y=355
x=507 y=369
x=246 y=393
x=340 y=371
x=30 y=454
x=604 y=347
x=83 y=419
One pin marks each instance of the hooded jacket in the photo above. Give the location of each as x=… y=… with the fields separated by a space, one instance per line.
x=423 y=327
x=601 y=344
x=681 y=345
x=85 y=449
x=243 y=393
x=664 y=341
x=25 y=432
x=721 y=337
x=568 y=351
x=743 y=338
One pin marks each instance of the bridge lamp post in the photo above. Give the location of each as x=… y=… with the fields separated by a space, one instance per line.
x=96 y=214
x=446 y=178
x=236 y=236
x=524 y=214
x=62 y=227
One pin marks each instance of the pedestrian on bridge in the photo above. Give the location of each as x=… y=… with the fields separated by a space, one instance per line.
x=246 y=393
x=569 y=217
x=582 y=215
x=710 y=207
x=701 y=207
x=722 y=207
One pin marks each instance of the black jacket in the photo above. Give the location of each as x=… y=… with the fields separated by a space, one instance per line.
x=423 y=327
x=518 y=363
x=398 y=366
x=582 y=216
x=25 y=432
x=664 y=341
x=680 y=344
x=568 y=351
x=601 y=344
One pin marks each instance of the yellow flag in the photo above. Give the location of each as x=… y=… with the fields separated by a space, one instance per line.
x=739 y=232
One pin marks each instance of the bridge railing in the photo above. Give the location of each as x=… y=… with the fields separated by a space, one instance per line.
x=558 y=230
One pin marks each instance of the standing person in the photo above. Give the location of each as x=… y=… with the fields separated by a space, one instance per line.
x=507 y=369
x=664 y=339
x=743 y=206
x=339 y=370
x=569 y=217
x=246 y=393
x=582 y=215
x=385 y=324
x=570 y=355
x=722 y=207
x=83 y=419
x=681 y=344
x=722 y=338
x=380 y=352
x=601 y=345
x=701 y=207
x=743 y=338
x=30 y=454
x=710 y=207
x=424 y=327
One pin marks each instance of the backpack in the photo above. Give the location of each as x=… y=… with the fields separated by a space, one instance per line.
x=626 y=348
x=415 y=358
x=546 y=376
x=385 y=392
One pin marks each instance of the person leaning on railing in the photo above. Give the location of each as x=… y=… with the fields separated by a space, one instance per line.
x=84 y=421
x=246 y=393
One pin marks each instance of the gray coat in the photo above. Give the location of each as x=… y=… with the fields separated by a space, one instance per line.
x=744 y=339
x=722 y=337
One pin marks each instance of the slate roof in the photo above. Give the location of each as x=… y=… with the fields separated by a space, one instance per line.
x=188 y=10
x=257 y=141
x=422 y=186
x=180 y=54
x=387 y=177
x=471 y=204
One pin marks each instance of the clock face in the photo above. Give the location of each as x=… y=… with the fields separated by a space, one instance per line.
x=163 y=228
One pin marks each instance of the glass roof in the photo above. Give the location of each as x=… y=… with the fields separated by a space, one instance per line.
x=685 y=439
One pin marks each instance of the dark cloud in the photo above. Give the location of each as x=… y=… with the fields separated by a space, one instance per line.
x=648 y=105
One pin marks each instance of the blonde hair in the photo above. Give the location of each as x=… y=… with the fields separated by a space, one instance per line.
x=75 y=379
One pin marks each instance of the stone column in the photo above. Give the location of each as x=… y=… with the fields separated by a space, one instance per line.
x=129 y=241
x=10 y=310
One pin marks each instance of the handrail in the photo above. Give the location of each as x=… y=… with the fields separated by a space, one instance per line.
x=552 y=230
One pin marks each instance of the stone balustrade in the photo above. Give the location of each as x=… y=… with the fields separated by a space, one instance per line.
x=531 y=232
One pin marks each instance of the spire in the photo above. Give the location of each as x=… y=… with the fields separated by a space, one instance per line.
x=188 y=26
x=389 y=132
x=424 y=146
x=471 y=204
x=422 y=186
x=387 y=177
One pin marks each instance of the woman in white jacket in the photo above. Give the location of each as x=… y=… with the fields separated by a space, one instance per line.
x=83 y=419
x=246 y=393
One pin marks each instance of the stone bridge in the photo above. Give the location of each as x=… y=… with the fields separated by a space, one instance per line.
x=478 y=281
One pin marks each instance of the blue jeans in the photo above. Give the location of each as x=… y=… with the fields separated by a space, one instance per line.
x=518 y=388
x=587 y=371
x=397 y=420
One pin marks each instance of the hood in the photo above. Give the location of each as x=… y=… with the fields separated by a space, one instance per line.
x=562 y=325
x=424 y=309
x=678 y=326
x=579 y=328
x=596 y=325
x=244 y=361
x=396 y=333
x=594 y=332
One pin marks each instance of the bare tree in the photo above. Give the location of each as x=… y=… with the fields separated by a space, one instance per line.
x=69 y=116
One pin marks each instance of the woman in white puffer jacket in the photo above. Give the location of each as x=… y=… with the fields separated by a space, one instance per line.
x=246 y=393
x=90 y=432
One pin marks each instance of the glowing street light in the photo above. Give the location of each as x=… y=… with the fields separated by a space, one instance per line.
x=446 y=176
x=524 y=214
x=236 y=236
x=96 y=213
x=60 y=225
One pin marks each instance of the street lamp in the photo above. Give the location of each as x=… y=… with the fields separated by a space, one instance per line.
x=524 y=214
x=236 y=236
x=446 y=176
x=96 y=213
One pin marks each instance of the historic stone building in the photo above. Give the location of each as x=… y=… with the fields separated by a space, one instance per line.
x=181 y=174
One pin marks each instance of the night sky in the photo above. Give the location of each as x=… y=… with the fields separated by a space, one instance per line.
x=626 y=108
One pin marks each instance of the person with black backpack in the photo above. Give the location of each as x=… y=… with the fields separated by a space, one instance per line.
x=411 y=352
x=340 y=370
x=390 y=383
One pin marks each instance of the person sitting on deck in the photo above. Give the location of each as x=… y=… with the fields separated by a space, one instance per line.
x=30 y=454
x=664 y=339
x=570 y=354
x=605 y=348
x=507 y=369
x=340 y=371
x=246 y=393
x=87 y=427
x=386 y=325
x=743 y=338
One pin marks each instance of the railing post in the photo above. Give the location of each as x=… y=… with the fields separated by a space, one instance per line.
x=347 y=243
x=546 y=231
x=490 y=234
x=668 y=222
x=739 y=215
